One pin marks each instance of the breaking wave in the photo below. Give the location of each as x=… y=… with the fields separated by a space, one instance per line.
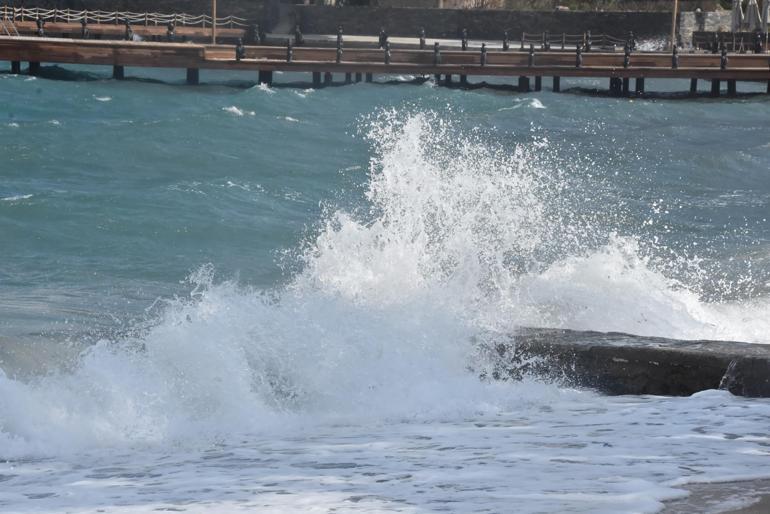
x=460 y=238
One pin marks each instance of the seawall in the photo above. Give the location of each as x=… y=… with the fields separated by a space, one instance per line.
x=448 y=23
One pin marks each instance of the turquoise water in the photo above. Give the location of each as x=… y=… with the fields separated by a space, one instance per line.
x=114 y=192
x=183 y=268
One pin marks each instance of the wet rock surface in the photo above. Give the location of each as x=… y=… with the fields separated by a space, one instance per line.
x=616 y=363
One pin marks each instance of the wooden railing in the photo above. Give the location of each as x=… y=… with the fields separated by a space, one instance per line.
x=740 y=42
x=117 y=17
x=562 y=41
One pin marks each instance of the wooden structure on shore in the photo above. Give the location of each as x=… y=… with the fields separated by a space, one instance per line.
x=357 y=63
x=68 y=23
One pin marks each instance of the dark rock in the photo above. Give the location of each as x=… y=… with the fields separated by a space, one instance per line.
x=616 y=363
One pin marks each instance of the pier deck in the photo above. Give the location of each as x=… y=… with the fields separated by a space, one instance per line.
x=266 y=59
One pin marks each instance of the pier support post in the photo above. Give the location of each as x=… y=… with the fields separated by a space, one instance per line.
x=626 y=86
x=34 y=68
x=523 y=84
x=437 y=78
x=16 y=67
x=328 y=79
x=118 y=72
x=316 y=79
x=731 y=89
x=538 y=83
x=265 y=77
x=615 y=86
x=369 y=77
x=348 y=78
x=768 y=87
x=556 y=84
x=693 y=87
x=639 y=86
x=463 y=80
x=715 y=87
x=359 y=77
x=193 y=76
x=448 y=79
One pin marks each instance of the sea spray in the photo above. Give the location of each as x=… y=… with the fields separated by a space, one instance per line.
x=463 y=238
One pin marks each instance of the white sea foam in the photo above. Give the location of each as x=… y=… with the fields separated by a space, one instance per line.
x=536 y=104
x=350 y=387
x=15 y=198
x=103 y=98
x=238 y=112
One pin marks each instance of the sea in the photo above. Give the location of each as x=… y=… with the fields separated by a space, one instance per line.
x=239 y=298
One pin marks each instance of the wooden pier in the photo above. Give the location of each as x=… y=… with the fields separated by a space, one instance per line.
x=356 y=63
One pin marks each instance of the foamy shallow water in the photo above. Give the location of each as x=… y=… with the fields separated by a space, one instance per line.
x=573 y=452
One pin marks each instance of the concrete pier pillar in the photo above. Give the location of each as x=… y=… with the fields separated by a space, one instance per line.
x=348 y=78
x=715 y=87
x=265 y=77
x=369 y=77
x=626 y=86
x=359 y=77
x=328 y=79
x=556 y=84
x=693 y=86
x=731 y=89
x=448 y=79
x=316 y=79
x=463 y=80
x=16 y=67
x=538 y=83
x=34 y=68
x=523 y=84
x=639 y=86
x=193 y=76
x=437 y=78
x=118 y=72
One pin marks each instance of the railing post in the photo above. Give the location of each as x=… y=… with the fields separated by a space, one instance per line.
x=213 y=22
